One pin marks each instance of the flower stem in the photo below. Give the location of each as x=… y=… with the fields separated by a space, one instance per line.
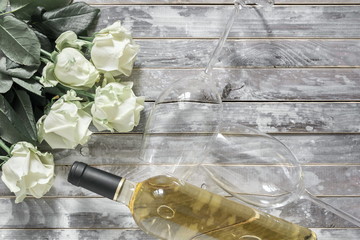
x=45 y=53
x=78 y=92
x=37 y=78
x=86 y=39
x=84 y=93
x=4 y=147
x=44 y=60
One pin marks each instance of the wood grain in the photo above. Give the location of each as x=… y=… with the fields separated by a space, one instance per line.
x=310 y=149
x=209 y=21
x=189 y=53
x=229 y=2
x=259 y=84
x=271 y=117
x=321 y=149
x=75 y=234
x=101 y=213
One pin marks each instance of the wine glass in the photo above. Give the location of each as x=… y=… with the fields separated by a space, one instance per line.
x=258 y=169
x=182 y=121
x=253 y=166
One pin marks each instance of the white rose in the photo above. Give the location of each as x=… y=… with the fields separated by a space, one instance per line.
x=114 y=50
x=48 y=78
x=116 y=107
x=67 y=123
x=71 y=69
x=28 y=171
x=69 y=39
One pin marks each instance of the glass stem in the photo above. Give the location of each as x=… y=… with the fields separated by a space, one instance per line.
x=338 y=212
x=222 y=40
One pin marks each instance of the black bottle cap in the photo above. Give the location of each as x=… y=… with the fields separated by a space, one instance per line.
x=93 y=179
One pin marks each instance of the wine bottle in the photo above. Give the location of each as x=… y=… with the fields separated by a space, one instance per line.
x=169 y=208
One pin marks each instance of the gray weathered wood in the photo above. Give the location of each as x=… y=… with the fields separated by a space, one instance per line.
x=337 y=234
x=103 y=213
x=135 y=234
x=148 y=2
x=296 y=117
x=325 y=149
x=332 y=180
x=209 y=21
x=275 y=117
x=268 y=117
x=259 y=84
x=75 y=234
x=188 y=53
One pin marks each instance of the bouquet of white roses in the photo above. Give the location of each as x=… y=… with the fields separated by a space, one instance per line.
x=53 y=90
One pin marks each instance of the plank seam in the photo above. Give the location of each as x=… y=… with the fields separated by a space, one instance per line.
x=199 y=4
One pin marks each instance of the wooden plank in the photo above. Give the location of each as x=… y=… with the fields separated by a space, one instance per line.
x=337 y=234
x=295 y=117
x=259 y=84
x=319 y=180
x=269 y=117
x=310 y=149
x=332 y=180
x=104 y=214
x=188 y=53
x=209 y=21
x=60 y=234
x=73 y=234
x=229 y=2
x=326 y=149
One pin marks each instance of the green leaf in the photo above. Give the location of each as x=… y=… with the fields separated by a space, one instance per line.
x=12 y=129
x=3 y=5
x=9 y=96
x=8 y=132
x=13 y=69
x=30 y=85
x=24 y=109
x=39 y=110
x=18 y=42
x=4 y=158
x=76 y=17
x=21 y=71
x=24 y=9
x=44 y=41
x=54 y=91
x=5 y=83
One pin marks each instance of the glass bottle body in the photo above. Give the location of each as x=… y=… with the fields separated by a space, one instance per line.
x=171 y=209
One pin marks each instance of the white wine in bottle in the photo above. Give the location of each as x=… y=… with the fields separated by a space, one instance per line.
x=169 y=208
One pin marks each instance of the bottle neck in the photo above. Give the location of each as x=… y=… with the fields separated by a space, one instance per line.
x=125 y=192
x=103 y=183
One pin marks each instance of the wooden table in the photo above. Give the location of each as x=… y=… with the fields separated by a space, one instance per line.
x=300 y=62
